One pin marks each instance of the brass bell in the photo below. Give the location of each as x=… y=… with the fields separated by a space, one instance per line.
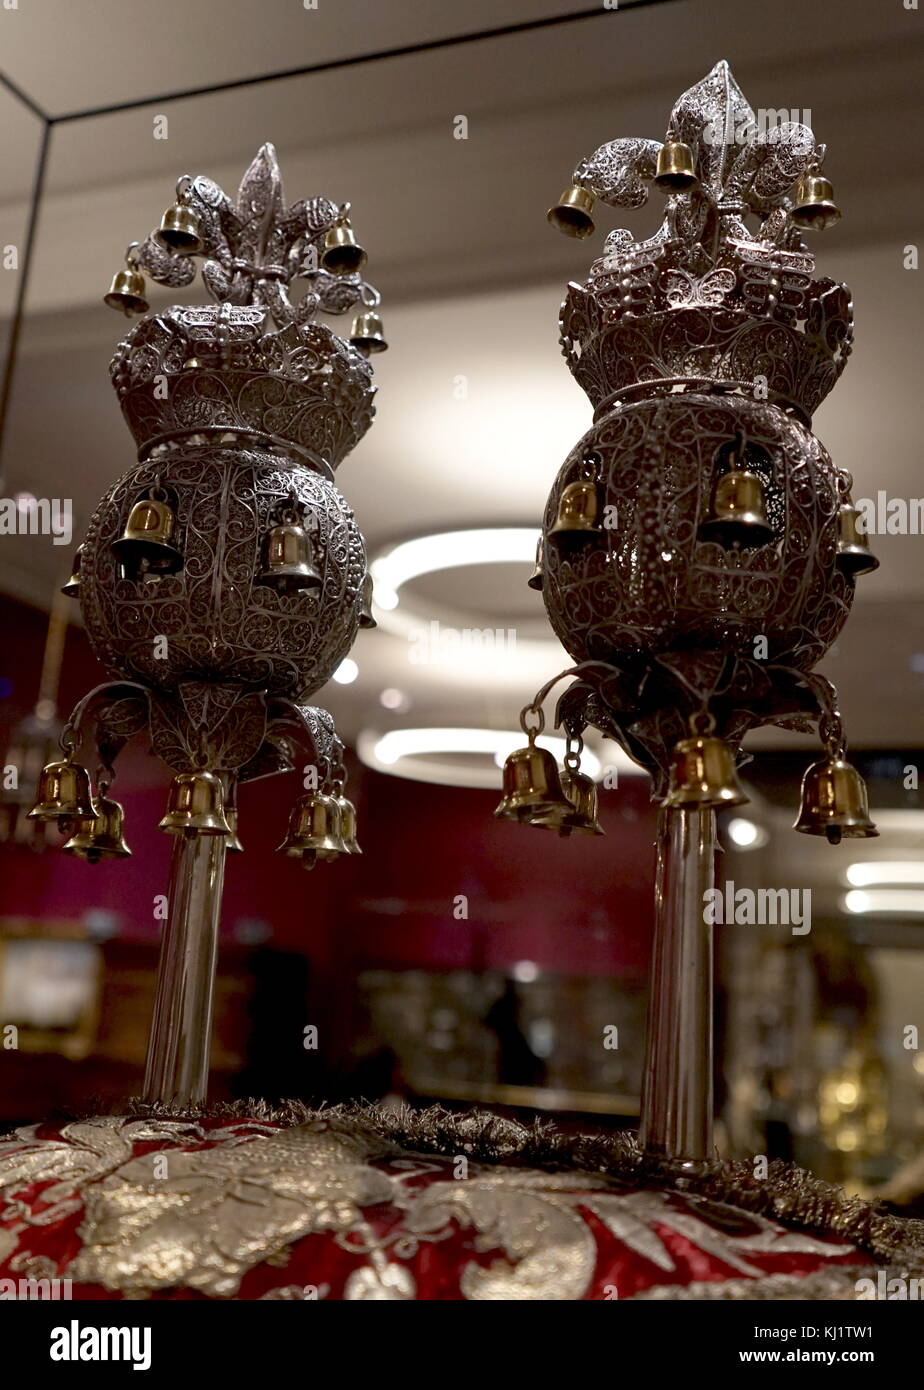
x=853 y=553
x=578 y=517
x=703 y=774
x=738 y=519
x=535 y=579
x=195 y=806
x=834 y=802
x=579 y=816
x=675 y=172
x=367 y=333
x=348 y=825
x=814 y=207
x=126 y=293
x=178 y=232
x=366 y=617
x=146 y=541
x=342 y=254
x=314 y=828
x=531 y=786
x=232 y=843
x=102 y=837
x=72 y=588
x=287 y=563
x=63 y=793
x=572 y=214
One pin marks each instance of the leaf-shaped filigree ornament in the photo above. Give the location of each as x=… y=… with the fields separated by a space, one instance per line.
x=619 y=172
x=769 y=164
x=254 y=247
x=707 y=118
x=176 y=272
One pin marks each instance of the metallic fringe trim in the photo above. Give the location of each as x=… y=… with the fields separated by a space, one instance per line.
x=787 y=1194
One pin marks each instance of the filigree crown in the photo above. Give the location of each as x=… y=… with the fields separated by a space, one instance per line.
x=707 y=299
x=254 y=364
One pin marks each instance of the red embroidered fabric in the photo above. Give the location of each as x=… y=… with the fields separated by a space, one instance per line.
x=160 y=1208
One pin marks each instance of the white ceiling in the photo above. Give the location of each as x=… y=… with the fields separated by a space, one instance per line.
x=471 y=275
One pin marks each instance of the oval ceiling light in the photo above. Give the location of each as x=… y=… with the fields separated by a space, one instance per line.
x=424 y=755
x=484 y=545
x=468 y=645
x=443 y=550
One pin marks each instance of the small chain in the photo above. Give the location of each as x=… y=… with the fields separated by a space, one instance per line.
x=532 y=732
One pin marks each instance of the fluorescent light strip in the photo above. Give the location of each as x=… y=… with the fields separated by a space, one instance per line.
x=878 y=901
x=861 y=875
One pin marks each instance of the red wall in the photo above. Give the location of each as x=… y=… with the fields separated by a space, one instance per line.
x=579 y=906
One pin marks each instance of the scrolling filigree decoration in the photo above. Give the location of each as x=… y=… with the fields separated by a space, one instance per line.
x=241 y=409
x=710 y=332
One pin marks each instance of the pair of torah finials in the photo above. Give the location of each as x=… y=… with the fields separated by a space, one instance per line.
x=699 y=548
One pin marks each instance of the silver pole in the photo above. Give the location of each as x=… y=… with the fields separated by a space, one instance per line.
x=181 y=1027
x=676 y=1120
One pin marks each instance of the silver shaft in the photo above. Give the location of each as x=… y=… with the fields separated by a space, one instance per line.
x=181 y=1028
x=676 y=1119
